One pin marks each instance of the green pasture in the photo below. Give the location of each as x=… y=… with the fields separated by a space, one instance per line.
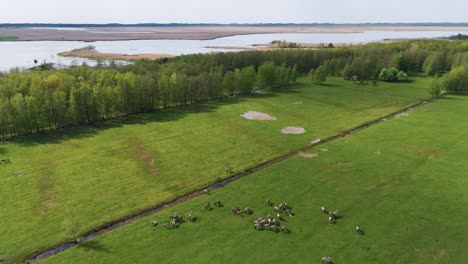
x=403 y=181
x=69 y=182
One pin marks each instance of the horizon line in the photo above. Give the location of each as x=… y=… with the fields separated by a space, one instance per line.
x=41 y=24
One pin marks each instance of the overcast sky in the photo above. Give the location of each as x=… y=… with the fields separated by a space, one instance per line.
x=232 y=11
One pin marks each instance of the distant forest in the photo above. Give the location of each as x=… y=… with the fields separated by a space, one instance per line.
x=55 y=25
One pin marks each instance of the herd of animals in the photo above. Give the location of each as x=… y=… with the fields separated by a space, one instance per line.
x=261 y=223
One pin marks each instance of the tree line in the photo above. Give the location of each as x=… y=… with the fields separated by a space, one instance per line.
x=38 y=101
x=43 y=99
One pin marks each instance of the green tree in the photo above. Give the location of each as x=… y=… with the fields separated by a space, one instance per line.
x=229 y=83
x=434 y=64
x=266 y=76
x=436 y=89
x=312 y=75
x=320 y=75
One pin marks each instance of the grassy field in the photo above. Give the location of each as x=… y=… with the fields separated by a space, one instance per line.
x=86 y=177
x=403 y=181
x=8 y=38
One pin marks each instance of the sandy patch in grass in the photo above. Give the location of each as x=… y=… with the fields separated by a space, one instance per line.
x=402 y=114
x=253 y=115
x=307 y=155
x=315 y=141
x=293 y=130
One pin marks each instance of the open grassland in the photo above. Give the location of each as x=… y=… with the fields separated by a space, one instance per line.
x=81 y=178
x=403 y=181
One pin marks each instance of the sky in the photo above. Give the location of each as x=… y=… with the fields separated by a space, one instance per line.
x=232 y=11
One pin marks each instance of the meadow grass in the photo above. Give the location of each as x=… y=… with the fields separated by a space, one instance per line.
x=86 y=177
x=402 y=181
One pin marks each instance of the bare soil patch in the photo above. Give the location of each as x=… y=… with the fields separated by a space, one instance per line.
x=402 y=114
x=307 y=155
x=315 y=141
x=253 y=115
x=293 y=130
x=142 y=155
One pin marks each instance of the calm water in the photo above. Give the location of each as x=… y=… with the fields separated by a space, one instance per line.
x=22 y=54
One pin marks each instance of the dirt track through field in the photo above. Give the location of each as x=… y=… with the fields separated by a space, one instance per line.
x=162 y=206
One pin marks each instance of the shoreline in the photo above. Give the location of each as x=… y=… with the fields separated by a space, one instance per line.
x=95 y=55
x=192 y=32
x=91 y=53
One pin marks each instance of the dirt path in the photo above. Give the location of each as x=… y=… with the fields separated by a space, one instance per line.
x=132 y=218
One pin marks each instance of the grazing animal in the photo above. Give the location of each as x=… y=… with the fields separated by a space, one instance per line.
x=5 y=161
x=274 y=221
x=326 y=260
x=248 y=211
x=268 y=202
x=218 y=204
x=176 y=218
x=190 y=217
x=359 y=230
x=235 y=210
x=335 y=213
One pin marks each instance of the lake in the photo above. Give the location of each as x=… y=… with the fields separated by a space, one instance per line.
x=22 y=53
